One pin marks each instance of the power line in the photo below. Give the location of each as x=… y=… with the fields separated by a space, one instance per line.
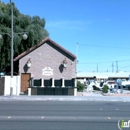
x=103 y=62
x=128 y=66
x=119 y=47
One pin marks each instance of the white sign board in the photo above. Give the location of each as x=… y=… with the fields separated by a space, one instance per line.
x=47 y=71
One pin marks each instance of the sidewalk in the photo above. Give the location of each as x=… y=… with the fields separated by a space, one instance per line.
x=81 y=96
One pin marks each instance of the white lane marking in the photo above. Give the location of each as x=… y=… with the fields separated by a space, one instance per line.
x=108 y=118
x=42 y=117
x=9 y=117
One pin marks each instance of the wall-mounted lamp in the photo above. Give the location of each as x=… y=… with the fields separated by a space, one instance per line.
x=64 y=62
x=29 y=63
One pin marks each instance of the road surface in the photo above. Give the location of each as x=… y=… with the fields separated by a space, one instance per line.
x=62 y=115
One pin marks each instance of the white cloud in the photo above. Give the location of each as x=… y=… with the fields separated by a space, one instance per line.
x=68 y=24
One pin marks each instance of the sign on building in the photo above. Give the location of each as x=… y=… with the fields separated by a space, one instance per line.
x=47 y=71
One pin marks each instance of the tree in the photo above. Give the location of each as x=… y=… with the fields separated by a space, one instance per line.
x=105 y=89
x=35 y=26
x=80 y=86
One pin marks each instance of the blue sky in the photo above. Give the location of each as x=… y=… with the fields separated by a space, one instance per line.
x=100 y=27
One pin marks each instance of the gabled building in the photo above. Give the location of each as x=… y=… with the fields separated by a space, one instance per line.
x=47 y=65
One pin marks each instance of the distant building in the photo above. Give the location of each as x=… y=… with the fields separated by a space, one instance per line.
x=83 y=76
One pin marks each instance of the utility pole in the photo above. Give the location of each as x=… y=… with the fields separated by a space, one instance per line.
x=112 y=67
x=97 y=67
x=117 y=66
x=77 y=49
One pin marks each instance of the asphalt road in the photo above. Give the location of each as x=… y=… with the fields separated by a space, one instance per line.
x=58 y=115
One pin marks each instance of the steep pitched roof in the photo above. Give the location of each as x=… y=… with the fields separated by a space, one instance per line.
x=39 y=44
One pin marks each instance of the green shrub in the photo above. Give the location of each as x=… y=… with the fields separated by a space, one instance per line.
x=105 y=89
x=80 y=86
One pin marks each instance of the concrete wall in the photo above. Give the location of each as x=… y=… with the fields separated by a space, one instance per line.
x=48 y=56
x=15 y=85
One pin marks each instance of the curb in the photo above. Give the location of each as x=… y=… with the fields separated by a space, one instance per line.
x=116 y=94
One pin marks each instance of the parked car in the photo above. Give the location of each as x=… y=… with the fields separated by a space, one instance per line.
x=125 y=83
x=111 y=83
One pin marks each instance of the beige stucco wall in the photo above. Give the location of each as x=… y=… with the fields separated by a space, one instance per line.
x=48 y=56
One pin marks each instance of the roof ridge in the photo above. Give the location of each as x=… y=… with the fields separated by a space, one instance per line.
x=39 y=44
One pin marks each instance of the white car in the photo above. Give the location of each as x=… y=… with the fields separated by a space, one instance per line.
x=111 y=84
x=125 y=83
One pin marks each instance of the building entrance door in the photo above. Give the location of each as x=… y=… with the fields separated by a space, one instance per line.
x=25 y=80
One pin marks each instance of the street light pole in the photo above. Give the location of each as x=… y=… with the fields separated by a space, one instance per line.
x=12 y=48
x=12 y=36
